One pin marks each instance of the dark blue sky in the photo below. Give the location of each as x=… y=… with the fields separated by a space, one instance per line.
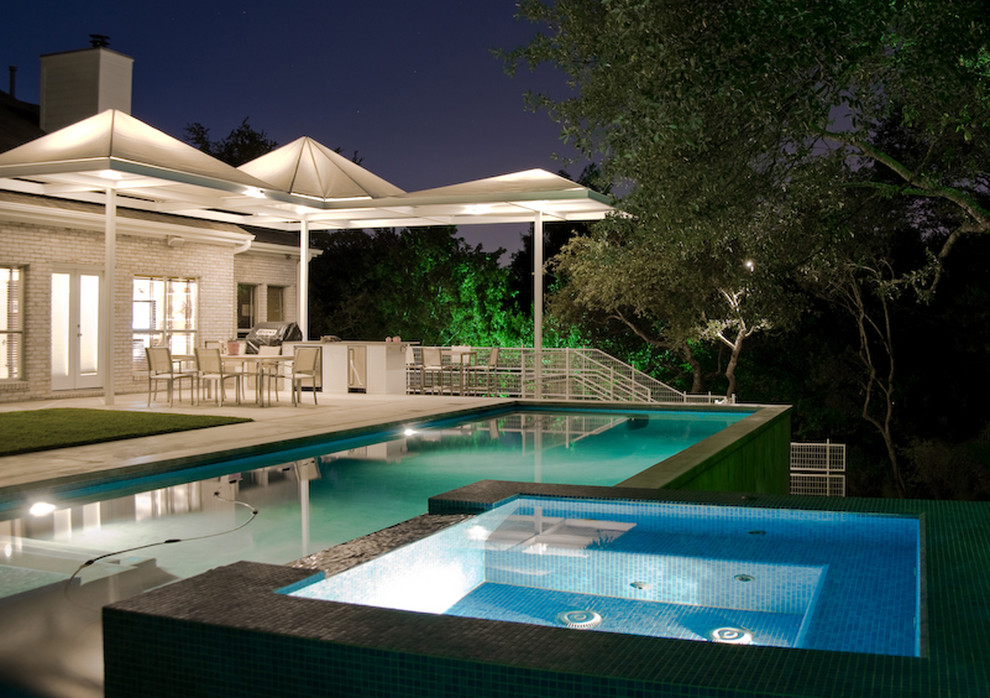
x=411 y=85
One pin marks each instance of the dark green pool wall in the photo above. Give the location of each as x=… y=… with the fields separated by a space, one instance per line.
x=752 y=455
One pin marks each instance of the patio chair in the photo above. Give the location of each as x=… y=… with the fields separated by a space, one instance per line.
x=476 y=373
x=414 y=371
x=162 y=368
x=210 y=370
x=305 y=365
x=432 y=368
x=272 y=374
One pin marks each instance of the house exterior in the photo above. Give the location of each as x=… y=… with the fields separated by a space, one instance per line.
x=178 y=280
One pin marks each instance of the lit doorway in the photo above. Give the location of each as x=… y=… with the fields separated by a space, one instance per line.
x=76 y=329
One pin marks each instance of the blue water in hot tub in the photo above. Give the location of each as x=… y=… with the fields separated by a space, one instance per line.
x=744 y=575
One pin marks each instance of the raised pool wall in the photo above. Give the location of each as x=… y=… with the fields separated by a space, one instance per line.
x=752 y=455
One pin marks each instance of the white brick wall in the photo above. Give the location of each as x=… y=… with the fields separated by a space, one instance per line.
x=42 y=249
x=266 y=269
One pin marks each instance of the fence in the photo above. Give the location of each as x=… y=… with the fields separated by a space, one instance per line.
x=547 y=374
x=818 y=469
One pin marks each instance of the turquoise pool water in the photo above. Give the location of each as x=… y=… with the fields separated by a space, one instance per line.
x=313 y=498
x=739 y=575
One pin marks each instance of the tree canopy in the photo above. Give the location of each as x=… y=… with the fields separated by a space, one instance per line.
x=243 y=144
x=710 y=109
x=774 y=156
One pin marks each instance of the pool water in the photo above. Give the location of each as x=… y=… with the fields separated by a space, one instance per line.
x=313 y=498
x=738 y=575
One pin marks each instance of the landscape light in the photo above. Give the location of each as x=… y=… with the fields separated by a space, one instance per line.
x=41 y=509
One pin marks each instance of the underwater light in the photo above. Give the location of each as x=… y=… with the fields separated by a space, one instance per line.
x=409 y=432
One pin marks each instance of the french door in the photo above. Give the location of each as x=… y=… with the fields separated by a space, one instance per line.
x=76 y=329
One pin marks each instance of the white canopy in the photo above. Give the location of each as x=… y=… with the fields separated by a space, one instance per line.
x=113 y=157
x=308 y=168
x=115 y=149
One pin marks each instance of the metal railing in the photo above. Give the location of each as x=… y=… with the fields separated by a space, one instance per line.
x=818 y=469
x=548 y=374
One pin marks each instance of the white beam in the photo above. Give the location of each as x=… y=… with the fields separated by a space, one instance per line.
x=538 y=300
x=304 y=278
x=106 y=298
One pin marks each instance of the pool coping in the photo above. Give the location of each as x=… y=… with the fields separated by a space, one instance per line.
x=240 y=599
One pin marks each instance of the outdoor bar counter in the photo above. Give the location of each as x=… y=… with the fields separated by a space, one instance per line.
x=375 y=368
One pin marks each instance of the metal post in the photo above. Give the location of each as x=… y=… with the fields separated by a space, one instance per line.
x=106 y=298
x=538 y=300
x=304 y=278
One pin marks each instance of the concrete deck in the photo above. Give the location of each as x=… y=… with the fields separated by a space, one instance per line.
x=282 y=422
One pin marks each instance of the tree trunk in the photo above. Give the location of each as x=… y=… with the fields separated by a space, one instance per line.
x=876 y=332
x=696 y=373
x=730 y=369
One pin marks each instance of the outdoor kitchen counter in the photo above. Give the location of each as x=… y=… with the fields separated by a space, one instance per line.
x=375 y=368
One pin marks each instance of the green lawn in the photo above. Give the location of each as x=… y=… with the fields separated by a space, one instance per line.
x=41 y=430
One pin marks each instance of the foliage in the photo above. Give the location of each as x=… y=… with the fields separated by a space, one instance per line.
x=705 y=122
x=424 y=284
x=241 y=145
x=734 y=149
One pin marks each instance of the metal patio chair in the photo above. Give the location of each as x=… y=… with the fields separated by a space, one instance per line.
x=482 y=375
x=305 y=365
x=161 y=368
x=209 y=366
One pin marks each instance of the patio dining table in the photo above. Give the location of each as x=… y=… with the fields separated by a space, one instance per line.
x=265 y=367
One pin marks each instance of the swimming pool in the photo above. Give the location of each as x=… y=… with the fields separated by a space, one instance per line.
x=315 y=497
x=738 y=575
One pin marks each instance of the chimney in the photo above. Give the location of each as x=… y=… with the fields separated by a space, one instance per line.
x=78 y=84
x=13 y=81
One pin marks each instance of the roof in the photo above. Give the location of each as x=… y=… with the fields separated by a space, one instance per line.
x=306 y=167
x=303 y=181
x=18 y=122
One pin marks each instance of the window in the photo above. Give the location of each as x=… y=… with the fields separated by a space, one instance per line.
x=276 y=304
x=245 y=307
x=11 y=323
x=164 y=312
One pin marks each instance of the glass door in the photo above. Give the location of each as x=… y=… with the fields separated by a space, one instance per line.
x=76 y=330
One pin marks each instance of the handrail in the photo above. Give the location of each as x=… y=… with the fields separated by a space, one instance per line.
x=552 y=374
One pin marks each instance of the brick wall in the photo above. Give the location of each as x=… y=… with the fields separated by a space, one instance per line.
x=263 y=269
x=43 y=249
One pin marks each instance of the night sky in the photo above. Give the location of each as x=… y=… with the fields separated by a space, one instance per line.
x=410 y=85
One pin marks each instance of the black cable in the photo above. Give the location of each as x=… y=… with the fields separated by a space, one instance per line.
x=254 y=513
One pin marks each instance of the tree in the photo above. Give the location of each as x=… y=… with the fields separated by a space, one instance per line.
x=422 y=283
x=705 y=122
x=748 y=148
x=241 y=145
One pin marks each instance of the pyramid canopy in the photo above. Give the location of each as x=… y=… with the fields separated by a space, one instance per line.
x=306 y=167
x=113 y=146
x=515 y=186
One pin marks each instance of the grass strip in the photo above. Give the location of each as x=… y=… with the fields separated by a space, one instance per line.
x=41 y=430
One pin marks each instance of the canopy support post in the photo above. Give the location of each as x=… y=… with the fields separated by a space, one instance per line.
x=304 y=278
x=538 y=301
x=107 y=319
